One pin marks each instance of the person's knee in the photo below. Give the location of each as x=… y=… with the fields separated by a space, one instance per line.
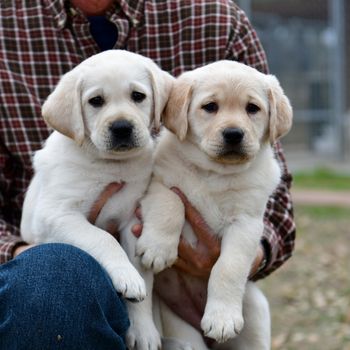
x=60 y=291
x=65 y=271
x=56 y=264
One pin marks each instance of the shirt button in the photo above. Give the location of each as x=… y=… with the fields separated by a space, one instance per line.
x=61 y=22
x=73 y=11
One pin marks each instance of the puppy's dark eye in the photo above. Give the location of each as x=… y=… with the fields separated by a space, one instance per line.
x=137 y=96
x=211 y=107
x=251 y=108
x=97 y=101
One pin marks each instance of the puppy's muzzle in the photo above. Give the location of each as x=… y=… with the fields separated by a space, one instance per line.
x=122 y=135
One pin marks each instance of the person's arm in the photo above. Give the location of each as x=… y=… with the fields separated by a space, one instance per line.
x=279 y=232
x=244 y=45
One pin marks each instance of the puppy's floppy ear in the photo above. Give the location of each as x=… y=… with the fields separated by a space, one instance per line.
x=281 y=113
x=176 y=110
x=161 y=86
x=62 y=110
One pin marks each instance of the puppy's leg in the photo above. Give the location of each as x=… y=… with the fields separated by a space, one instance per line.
x=163 y=216
x=223 y=317
x=178 y=334
x=256 y=333
x=142 y=333
x=73 y=228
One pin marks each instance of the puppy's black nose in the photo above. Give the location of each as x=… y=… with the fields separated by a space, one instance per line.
x=121 y=131
x=233 y=136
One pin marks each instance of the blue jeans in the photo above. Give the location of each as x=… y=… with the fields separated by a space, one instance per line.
x=55 y=296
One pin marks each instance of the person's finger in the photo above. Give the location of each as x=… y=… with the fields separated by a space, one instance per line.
x=183 y=266
x=138 y=213
x=185 y=250
x=107 y=193
x=192 y=214
x=199 y=259
x=200 y=228
x=181 y=195
x=189 y=208
x=112 y=228
x=136 y=230
x=257 y=261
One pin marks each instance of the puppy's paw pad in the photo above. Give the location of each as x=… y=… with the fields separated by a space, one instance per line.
x=222 y=324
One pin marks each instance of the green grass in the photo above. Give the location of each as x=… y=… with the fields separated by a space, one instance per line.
x=323 y=212
x=322 y=178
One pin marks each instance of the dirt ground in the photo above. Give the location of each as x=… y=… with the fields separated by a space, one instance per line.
x=310 y=295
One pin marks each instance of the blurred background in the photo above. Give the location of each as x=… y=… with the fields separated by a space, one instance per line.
x=306 y=46
x=308 y=49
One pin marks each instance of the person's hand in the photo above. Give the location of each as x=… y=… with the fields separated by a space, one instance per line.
x=106 y=194
x=21 y=248
x=260 y=257
x=137 y=228
x=198 y=260
x=96 y=208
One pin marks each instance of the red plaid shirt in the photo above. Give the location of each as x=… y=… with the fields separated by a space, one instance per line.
x=42 y=39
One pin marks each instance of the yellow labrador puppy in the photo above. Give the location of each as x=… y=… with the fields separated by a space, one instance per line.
x=103 y=112
x=224 y=117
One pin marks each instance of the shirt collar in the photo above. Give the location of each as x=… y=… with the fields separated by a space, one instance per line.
x=58 y=11
x=133 y=9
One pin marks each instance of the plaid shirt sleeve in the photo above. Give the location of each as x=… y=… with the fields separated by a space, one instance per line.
x=10 y=240
x=9 y=233
x=279 y=233
x=244 y=45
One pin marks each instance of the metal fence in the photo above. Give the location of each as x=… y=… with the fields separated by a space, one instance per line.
x=305 y=44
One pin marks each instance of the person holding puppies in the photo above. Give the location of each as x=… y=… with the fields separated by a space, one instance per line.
x=39 y=42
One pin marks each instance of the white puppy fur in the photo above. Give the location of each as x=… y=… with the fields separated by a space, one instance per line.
x=103 y=112
x=224 y=117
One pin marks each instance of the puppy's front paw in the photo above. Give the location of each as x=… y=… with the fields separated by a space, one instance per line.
x=143 y=336
x=129 y=283
x=222 y=322
x=156 y=254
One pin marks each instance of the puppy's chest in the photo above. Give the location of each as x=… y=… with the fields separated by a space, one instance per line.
x=218 y=209
x=113 y=207
x=212 y=195
x=117 y=208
